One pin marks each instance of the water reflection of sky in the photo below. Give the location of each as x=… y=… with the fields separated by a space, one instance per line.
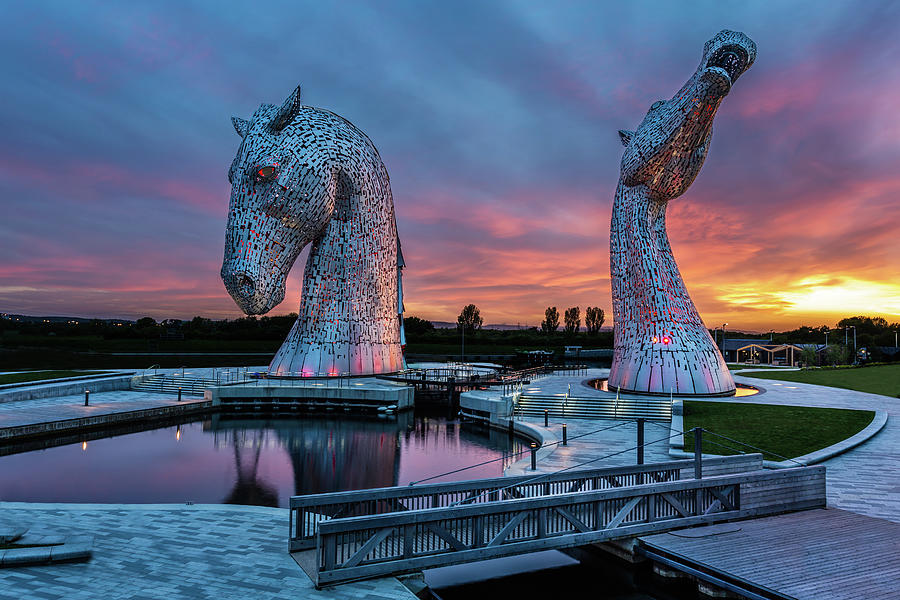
x=250 y=461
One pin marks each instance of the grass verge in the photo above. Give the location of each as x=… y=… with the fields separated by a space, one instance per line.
x=789 y=431
x=42 y=375
x=880 y=379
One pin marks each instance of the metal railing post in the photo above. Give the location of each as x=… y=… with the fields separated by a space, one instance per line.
x=640 y=441
x=698 y=452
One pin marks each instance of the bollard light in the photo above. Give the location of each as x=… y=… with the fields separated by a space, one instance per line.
x=87 y=396
x=533 y=456
x=565 y=435
x=546 y=418
x=179 y=394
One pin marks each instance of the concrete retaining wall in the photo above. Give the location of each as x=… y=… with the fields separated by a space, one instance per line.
x=67 y=388
x=32 y=430
x=401 y=396
x=784 y=490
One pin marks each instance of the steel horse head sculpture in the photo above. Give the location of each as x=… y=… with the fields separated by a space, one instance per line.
x=304 y=175
x=661 y=344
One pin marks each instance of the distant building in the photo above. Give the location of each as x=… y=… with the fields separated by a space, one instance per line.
x=760 y=352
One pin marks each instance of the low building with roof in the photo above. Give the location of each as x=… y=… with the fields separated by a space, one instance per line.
x=760 y=352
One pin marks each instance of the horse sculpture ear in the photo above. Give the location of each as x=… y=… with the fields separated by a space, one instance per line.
x=242 y=126
x=626 y=136
x=287 y=112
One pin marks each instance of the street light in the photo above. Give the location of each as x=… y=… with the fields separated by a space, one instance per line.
x=723 y=340
x=853 y=327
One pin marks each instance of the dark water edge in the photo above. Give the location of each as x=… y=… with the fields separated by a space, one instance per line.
x=553 y=574
x=250 y=459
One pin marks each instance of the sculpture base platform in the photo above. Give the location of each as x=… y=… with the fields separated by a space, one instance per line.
x=353 y=395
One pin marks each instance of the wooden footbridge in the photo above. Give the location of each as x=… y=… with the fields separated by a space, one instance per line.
x=346 y=536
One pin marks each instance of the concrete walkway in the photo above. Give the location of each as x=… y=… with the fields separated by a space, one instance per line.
x=149 y=552
x=45 y=410
x=213 y=551
x=865 y=479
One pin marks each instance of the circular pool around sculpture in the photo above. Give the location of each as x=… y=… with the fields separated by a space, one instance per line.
x=741 y=389
x=251 y=460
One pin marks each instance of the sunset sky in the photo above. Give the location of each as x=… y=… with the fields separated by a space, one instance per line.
x=497 y=122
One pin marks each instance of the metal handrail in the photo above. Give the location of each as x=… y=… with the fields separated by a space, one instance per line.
x=307 y=512
x=370 y=546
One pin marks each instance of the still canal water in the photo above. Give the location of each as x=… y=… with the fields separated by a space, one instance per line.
x=266 y=461
x=254 y=461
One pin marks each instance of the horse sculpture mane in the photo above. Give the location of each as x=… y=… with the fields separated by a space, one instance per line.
x=661 y=344
x=304 y=175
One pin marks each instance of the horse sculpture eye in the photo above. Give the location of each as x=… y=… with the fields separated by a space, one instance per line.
x=265 y=173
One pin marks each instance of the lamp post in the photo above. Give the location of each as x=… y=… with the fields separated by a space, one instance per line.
x=723 y=339
x=853 y=327
x=463 y=358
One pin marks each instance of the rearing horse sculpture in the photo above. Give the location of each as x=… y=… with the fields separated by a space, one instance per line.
x=306 y=175
x=661 y=344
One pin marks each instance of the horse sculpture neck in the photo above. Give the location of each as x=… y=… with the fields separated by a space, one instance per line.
x=661 y=343
x=348 y=317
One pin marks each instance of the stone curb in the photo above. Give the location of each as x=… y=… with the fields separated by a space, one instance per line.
x=51 y=506
x=65 y=549
x=878 y=422
x=75 y=379
x=544 y=437
x=64 y=426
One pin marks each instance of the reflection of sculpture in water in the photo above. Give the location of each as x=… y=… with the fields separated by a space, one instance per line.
x=248 y=489
x=661 y=344
x=329 y=455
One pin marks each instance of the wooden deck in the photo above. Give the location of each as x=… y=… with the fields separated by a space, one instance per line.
x=823 y=554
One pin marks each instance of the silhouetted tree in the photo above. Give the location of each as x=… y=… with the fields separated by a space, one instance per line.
x=470 y=318
x=573 y=320
x=551 y=320
x=417 y=326
x=808 y=356
x=593 y=319
x=837 y=354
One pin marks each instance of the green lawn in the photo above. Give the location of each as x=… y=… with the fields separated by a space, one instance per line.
x=880 y=379
x=786 y=430
x=41 y=375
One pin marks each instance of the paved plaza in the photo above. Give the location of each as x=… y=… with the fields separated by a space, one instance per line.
x=45 y=410
x=220 y=551
x=864 y=479
x=149 y=552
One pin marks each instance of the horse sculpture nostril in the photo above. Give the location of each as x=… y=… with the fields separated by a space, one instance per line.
x=247 y=286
